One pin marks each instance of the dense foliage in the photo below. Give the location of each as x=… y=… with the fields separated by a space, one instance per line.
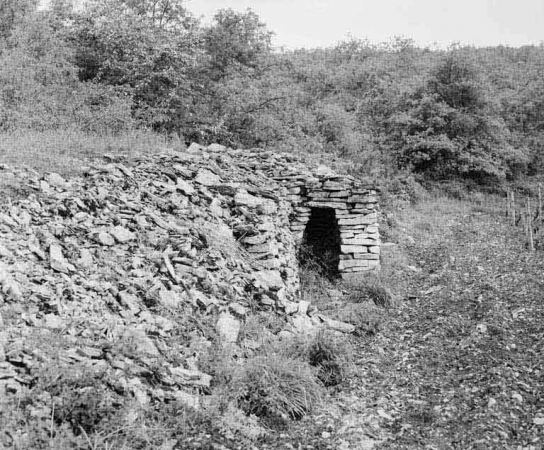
x=114 y=65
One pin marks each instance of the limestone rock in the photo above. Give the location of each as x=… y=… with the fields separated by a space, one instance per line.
x=228 y=328
x=122 y=235
x=195 y=148
x=8 y=285
x=303 y=306
x=57 y=260
x=85 y=260
x=217 y=148
x=303 y=325
x=55 y=180
x=359 y=220
x=141 y=342
x=4 y=252
x=337 y=325
x=207 y=178
x=238 y=310
x=105 y=238
x=185 y=187
x=215 y=208
x=242 y=198
x=190 y=377
x=269 y=279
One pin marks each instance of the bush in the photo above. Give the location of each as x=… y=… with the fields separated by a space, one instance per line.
x=402 y=188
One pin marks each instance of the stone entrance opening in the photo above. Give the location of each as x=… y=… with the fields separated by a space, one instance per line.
x=321 y=242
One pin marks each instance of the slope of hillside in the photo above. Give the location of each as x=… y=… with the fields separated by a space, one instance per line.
x=461 y=363
x=120 y=290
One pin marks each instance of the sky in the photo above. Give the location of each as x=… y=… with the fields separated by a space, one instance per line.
x=320 y=23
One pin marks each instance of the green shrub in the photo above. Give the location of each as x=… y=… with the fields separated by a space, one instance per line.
x=404 y=188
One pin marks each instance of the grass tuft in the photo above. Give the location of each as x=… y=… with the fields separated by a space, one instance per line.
x=276 y=388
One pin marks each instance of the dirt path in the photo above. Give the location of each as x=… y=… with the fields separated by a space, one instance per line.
x=461 y=362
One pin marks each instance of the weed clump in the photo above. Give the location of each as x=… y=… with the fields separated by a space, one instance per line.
x=276 y=388
x=367 y=318
x=329 y=353
x=375 y=292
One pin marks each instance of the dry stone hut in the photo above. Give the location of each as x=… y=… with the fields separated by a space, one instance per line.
x=128 y=261
x=334 y=216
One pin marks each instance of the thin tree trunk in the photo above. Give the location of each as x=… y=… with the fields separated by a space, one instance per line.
x=513 y=209
x=530 y=226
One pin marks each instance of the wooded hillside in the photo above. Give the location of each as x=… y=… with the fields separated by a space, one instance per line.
x=118 y=65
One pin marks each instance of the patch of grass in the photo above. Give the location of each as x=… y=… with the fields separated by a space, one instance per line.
x=67 y=151
x=373 y=291
x=314 y=287
x=366 y=317
x=326 y=350
x=276 y=388
x=260 y=327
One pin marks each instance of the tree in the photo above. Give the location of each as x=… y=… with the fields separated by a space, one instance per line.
x=39 y=85
x=236 y=39
x=12 y=13
x=148 y=48
x=450 y=127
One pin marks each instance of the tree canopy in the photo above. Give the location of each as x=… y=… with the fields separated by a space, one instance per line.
x=464 y=112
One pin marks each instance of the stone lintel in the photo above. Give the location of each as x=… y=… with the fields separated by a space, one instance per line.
x=324 y=204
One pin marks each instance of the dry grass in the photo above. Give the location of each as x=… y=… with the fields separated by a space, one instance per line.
x=274 y=387
x=68 y=151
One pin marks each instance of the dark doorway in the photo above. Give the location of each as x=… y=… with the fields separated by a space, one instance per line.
x=321 y=243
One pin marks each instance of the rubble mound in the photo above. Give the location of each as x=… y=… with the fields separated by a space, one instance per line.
x=130 y=271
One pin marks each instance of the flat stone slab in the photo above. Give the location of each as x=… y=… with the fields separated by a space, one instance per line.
x=345 y=249
x=359 y=220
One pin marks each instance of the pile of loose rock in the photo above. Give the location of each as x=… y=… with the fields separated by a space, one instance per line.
x=104 y=273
